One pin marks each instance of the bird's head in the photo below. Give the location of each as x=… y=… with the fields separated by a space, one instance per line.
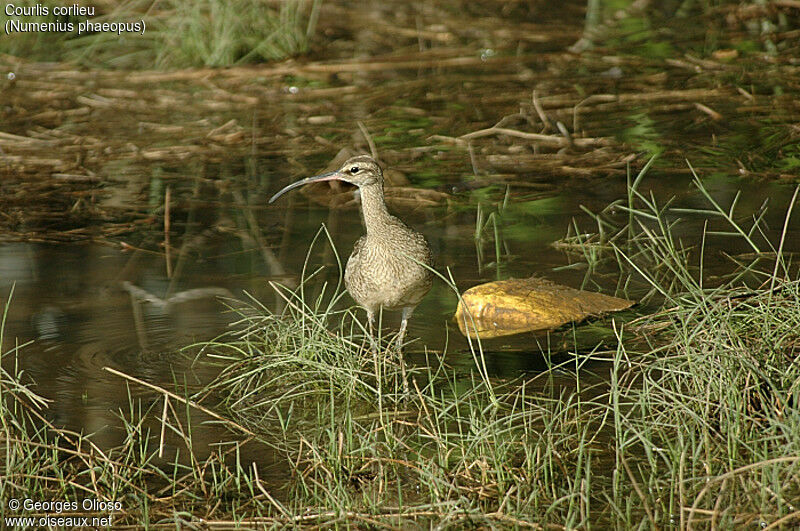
x=361 y=170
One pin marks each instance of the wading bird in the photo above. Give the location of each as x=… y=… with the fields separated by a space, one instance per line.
x=390 y=265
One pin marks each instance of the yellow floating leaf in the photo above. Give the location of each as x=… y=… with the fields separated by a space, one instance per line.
x=507 y=307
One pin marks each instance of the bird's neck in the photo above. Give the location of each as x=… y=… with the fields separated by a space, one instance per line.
x=373 y=207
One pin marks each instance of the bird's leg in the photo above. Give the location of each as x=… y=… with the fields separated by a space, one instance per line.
x=401 y=334
x=373 y=344
x=374 y=349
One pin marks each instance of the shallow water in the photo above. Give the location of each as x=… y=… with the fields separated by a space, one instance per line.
x=108 y=300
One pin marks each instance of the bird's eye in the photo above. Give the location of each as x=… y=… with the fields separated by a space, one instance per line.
x=354 y=170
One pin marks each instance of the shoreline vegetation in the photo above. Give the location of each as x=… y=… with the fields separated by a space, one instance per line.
x=697 y=424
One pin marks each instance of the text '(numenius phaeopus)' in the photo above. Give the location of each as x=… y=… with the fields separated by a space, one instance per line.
x=30 y=19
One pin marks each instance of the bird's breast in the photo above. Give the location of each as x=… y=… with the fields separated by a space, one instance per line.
x=388 y=274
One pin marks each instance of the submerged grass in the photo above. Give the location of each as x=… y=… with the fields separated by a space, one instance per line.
x=697 y=425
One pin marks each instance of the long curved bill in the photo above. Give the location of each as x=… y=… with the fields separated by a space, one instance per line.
x=330 y=176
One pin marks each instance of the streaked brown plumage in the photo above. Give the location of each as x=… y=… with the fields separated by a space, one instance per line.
x=389 y=265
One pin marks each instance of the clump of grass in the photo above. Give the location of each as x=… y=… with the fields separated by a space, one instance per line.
x=711 y=411
x=269 y=359
x=704 y=390
x=454 y=450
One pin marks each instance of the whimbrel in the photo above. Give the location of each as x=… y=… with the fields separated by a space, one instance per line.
x=389 y=266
